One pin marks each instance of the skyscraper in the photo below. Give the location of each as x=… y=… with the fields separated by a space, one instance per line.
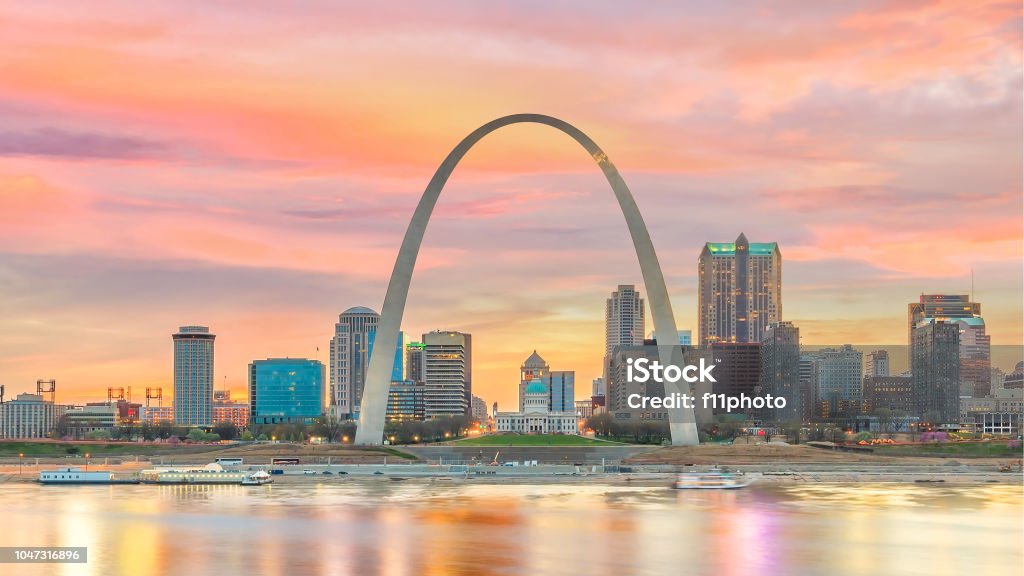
x=350 y=356
x=877 y=364
x=623 y=323
x=193 y=376
x=975 y=345
x=447 y=374
x=941 y=306
x=286 y=391
x=351 y=346
x=935 y=364
x=623 y=319
x=840 y=379
x=780 y=370
x=414 y=362
x=740 y=290
x=737 y=369
x=561 y=390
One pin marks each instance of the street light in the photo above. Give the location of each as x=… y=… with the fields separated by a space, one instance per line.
x=21 y=462
x=86 y=461
x=344 y=439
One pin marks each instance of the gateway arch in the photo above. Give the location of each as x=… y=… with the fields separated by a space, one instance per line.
x=378 y=375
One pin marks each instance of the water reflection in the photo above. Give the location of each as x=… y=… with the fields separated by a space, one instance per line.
x=422 y=527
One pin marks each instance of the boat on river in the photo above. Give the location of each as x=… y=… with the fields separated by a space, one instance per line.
x=713 y=480
x=257 y=478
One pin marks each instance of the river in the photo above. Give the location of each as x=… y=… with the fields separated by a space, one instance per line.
x=373 y=526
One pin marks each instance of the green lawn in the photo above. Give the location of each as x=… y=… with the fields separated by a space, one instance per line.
x=69 y=449
x=998 y=449
x=532 y=440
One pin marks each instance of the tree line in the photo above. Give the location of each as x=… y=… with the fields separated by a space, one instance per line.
x=328 y=428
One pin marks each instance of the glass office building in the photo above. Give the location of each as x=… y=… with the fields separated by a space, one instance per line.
x=286 y=391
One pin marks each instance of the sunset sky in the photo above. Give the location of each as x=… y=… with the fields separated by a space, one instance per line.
x=253 y=166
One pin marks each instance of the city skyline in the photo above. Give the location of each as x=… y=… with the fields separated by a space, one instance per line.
x=262 y=196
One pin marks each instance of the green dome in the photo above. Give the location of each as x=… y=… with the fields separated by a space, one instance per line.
x=536 y=387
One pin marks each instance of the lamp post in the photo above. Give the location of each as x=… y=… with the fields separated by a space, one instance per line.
x=21 y=462
x=86 y=461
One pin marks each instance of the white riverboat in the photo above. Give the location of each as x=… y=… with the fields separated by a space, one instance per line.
x=78 y=476
x=209 y=474
x=257 y=478
x=713 y=480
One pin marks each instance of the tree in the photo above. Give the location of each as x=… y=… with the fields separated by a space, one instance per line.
x=226 y=430
x=886 y=417
x=196 y=435
x=164 y=430
x=246 y=436
x=329 y=426
x=98 y=435
x=148 y=431
x=62 y=428
x=601 y=424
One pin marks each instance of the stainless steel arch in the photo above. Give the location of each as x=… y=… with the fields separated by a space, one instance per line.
x=375 y=393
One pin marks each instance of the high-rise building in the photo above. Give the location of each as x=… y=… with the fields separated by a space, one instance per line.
x=414 y=361
x=533 y=368
x=810 y=406
x=975 y=358
x=623 y=319
x=780 y=370
x=193 y=376
x=447 y=373
x=597 y=387
x=877 y=364
x=350 y=357
x=479 y=410
x=975 y=345
x=935 y=364
x=29 y=416
x=286 y=391
x=941 y=307
x=737 y=368
x=740 y=291
x=840 y=375
x=561 y=390
x=405 y=401
x=620 y=387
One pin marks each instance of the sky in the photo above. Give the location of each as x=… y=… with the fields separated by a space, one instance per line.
x=253 y=170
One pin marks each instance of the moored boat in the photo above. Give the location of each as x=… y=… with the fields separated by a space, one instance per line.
x=713 y=480
x=77 y=476
x=209 y=474
x=257 y=478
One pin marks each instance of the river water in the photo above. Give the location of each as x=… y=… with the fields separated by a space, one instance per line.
x=349 y=526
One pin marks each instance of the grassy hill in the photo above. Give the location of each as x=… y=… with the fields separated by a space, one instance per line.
x=532 y=440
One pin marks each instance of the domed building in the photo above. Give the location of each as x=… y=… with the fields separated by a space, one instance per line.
x=536 y=416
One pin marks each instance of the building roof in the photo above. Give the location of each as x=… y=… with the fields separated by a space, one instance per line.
x=358 y=310
x=729 y=248
x=536 y=387
x=535 y=361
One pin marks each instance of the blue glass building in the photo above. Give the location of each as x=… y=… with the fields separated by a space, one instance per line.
x=286 y=391
x=398 y=369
